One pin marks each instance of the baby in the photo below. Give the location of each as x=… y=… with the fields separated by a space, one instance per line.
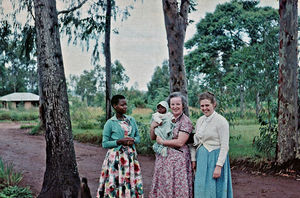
x=164 y=130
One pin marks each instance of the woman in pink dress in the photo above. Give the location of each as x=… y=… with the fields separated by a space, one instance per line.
x=173 y=173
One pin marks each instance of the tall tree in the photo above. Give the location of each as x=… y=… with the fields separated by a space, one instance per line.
x=61 y=178
x=108 y=58
x=176 y=21
x=158 y=87
x=235 y=47
x=288 y=133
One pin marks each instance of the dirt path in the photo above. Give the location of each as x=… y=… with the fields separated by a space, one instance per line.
x=27 y=153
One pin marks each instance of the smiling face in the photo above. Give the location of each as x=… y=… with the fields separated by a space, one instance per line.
x=176 y=106
x=121 y=107
x=207 y=107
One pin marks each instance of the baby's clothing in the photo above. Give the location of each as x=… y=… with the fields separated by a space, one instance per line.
x=164 y=131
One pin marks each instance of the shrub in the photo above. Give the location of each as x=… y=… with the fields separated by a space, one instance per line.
x=19 y=115
x=90 y=137
x=15 y=192
x=36 y=130
x=267 y=139
x=145 y=146
x=86 y=124
x=8 y=176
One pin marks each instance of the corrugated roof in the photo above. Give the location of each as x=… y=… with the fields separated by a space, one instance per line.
x=20 y=96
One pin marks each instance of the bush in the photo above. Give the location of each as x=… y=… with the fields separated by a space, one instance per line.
x=267 y=139
x=89 y=137
x=8 y=176
x=86 y=124
x=15 y=192
x=145 y=146
x=19 y=115
x=36 y=130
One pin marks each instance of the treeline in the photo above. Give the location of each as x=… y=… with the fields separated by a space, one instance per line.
x=234 y=54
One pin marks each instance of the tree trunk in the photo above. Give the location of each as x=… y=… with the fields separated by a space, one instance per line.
x=257 y=104
x=61 y=178
x=176 y=21
x=242 y=101
x=288 y=139
x=108 y=59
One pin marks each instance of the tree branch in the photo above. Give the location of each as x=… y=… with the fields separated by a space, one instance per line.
x=72 y=9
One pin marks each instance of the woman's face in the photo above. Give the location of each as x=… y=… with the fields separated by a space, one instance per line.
x=176 y=106
x=207 y=107
x=121 y=107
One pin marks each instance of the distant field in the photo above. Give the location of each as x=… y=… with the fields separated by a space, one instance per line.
x=87 y=126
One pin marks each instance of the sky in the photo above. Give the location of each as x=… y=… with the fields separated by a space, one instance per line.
x=141 y=44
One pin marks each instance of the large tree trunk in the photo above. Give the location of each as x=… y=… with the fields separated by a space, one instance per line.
x=108 y=59
x=61 y=177
x=176 y=21
x=288 y=139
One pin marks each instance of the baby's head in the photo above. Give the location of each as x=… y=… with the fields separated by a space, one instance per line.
x=162 y=107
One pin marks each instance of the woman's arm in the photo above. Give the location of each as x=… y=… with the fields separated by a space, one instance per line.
x=106 y=136
x=177 y=143
x=136 y=137
x=152 y=128
x=223 y=131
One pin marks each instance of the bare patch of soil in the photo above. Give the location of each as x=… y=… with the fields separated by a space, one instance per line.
x=27 y=153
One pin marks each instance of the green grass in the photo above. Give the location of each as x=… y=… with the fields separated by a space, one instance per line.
x=241 y=141
x=87 y=126
x=93 y=136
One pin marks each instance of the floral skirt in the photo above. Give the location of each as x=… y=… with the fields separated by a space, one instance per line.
x=121 y=174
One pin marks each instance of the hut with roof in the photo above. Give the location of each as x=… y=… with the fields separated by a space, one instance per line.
x=18 y=99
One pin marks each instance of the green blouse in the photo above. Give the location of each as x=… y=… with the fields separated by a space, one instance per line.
x=113 y=131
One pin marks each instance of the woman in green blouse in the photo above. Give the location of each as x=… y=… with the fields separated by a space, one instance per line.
x=121 y=173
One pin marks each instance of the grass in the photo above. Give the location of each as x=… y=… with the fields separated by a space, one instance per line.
x=87 y=125
x=241 y=140
x=9 y=180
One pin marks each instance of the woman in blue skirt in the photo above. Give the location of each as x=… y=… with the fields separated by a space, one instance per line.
x=210 y=152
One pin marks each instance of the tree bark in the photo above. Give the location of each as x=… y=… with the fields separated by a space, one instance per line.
x=176 y=21
x=257 y=104
x=108 y=59
x=288 y=137
x=61 y=178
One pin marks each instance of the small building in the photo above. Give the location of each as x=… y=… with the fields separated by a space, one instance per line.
x=18 y=99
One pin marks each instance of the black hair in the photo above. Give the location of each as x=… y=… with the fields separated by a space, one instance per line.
x=116 y=98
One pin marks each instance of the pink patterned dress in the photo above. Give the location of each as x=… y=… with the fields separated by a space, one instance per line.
x=121 y=174
x=173 y=173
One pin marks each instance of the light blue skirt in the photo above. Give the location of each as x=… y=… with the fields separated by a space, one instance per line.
x=205 y=185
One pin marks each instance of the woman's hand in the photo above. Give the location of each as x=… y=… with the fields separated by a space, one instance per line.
x=159 y=140
x=154 y=125
x=217 y=172
x=126 y=141
x=194 y=166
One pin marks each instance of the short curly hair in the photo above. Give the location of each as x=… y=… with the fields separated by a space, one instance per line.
x=177 y=94
x=116 y=98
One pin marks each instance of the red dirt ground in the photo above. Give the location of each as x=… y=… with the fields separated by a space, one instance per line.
x=27 y=153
